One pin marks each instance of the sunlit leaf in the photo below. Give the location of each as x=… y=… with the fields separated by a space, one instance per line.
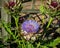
x=49 y=23
x=42 y=9
x=55 y=42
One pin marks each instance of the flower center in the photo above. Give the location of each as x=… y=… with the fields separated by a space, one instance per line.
x=30 y=27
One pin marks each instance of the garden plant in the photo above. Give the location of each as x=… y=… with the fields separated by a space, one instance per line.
x=28 y=32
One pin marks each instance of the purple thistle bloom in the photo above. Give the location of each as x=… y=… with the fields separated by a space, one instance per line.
x=54 y=4
x=11 y=3
x=30 y=26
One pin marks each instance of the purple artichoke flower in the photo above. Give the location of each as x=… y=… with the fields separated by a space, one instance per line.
x=30 y=26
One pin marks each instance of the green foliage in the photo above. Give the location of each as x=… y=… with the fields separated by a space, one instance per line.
x=42 y=9
x=7 y=29
x=50 y=21
x=52 y=12
x=20 y=41
x=55 y=42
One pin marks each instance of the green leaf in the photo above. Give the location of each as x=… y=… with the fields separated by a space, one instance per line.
x=44 y=47
x=58 y=13
x=16 y=20
x=38 y=45
x=29 y=45
x=49 y=23
x=42 y=9
x=7 y=29
x=55 y=42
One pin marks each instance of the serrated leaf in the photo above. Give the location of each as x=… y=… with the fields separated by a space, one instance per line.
x=42 y=9
x=55 y=42
x=7 y=28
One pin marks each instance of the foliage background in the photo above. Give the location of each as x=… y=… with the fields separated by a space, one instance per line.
x=15 y=39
